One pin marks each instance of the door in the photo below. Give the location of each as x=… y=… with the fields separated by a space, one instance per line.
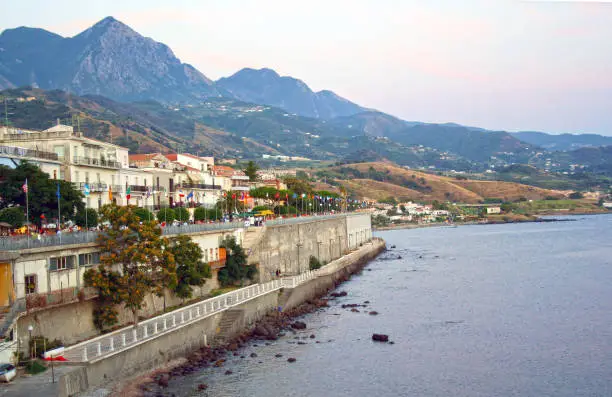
x=6 y=284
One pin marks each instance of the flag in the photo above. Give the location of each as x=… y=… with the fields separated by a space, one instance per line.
x=128 y=192
x=242 y=196
x=86 y=189
x=277 y=195
x=148 y=192
x=233 y=196
x=110 y=193
x=303 y=195
x=286 y=196
x=25 y=186
x=294 y=195
x=224 y=194
x=181 y=194
x=57 y=193
x=190 y=195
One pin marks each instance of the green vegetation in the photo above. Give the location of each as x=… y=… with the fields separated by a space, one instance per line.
x=135 y=262
x=42 y=195
x=144 y=214
x=204 y=214
x=87 y=218
x=166 y=215
x=251 y=171
x=181 y=214
x=314 y=263
x=191 y=271
x=236 y=270
x=15 y=216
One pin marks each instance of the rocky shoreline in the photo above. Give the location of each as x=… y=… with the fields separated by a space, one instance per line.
x=268 y=329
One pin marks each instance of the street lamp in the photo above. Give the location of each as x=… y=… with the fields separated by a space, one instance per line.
x=30 y=329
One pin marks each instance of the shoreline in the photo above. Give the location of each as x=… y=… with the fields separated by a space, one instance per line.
x=269 y=328
x=538 y=219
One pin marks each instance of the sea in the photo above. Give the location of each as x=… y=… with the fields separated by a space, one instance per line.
x=484 y=310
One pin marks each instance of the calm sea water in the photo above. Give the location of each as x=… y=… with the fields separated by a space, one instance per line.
x=496 y=310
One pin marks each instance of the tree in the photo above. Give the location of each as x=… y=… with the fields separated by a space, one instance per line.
x=15 y=216
x=143 y=214
x=42 y=192
x=251 y=171
x=576 y=195
x=204 y=214
x=236 y=269
x=135 y=262
x=181 y=214
x=314 y=263
x=166 y=215
x=90 y=221
x=297 y=185
x=190 y=269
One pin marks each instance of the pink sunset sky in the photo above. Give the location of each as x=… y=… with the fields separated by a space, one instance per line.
x=512 y=65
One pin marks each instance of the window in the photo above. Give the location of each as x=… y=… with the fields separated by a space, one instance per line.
x=61 y=263
x=86 y=177
x=30 y=284
x=92 y=258
x=76 y=176
x=54 y=174
x=98 y=177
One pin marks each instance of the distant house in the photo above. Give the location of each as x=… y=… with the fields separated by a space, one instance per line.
x=493 y=210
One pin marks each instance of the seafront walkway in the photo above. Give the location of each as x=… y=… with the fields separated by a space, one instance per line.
x=104 y=346
x=14 y=243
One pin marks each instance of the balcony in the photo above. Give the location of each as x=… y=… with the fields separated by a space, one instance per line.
x=139 y=188
x=197 y=186
x=93 y=187
x=22 y=152
x=96 y=162
x=218 y=264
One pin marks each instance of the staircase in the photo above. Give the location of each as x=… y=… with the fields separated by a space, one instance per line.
x=227 y=325
x=9 y=315
x=251 y=240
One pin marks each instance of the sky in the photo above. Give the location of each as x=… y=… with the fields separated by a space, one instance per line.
x=496 y=64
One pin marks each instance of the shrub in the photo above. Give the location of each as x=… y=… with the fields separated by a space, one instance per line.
x=576 y=195
x=314 y=263
x=202 y=214
x=13 y=215
x=166 y=215
x=143 y=214
x=92 y=218
x=181 y=214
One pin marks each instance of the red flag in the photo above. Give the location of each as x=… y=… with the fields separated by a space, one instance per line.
x=277 y=195
x=286 y=196
x=25 y=186
x=233 y=195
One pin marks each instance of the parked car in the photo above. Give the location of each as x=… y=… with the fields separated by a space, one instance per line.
x=7 y=372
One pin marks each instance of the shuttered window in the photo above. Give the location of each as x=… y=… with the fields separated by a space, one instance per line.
x=92 y=258
x=61 y=263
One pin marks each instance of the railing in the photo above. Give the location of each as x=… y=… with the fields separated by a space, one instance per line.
x=128 y=337
x=23 y=152
x=139 y=188
x=11 y=243
x=66 y=295
x=218 y=264
x=125 y=338
x=96 y=162
x=198 y=186
x=93 y=187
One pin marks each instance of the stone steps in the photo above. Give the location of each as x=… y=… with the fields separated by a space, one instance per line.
x=226 y=325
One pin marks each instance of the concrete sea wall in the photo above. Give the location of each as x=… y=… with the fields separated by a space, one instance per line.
x=154 y=353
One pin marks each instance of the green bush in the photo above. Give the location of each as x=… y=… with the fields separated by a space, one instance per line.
x=92 y=218
x=314 y=263
x=260 y=208
x=181 y=214
x=15 y=216
x=202 y=214
x=166 y=215
x=143 y=214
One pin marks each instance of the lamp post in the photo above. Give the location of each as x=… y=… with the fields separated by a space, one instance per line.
x=30 y=329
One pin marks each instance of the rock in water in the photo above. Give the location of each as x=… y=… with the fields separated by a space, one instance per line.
x=373 y=313
x=298 y=325
x=380 y=337
x=291 y=360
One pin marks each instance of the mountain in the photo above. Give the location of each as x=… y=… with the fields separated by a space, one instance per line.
x=563 y=141
x=108 y=59
x=267 y=87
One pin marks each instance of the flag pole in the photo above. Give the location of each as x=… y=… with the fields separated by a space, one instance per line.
x=59 y=214
x=27 y=211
